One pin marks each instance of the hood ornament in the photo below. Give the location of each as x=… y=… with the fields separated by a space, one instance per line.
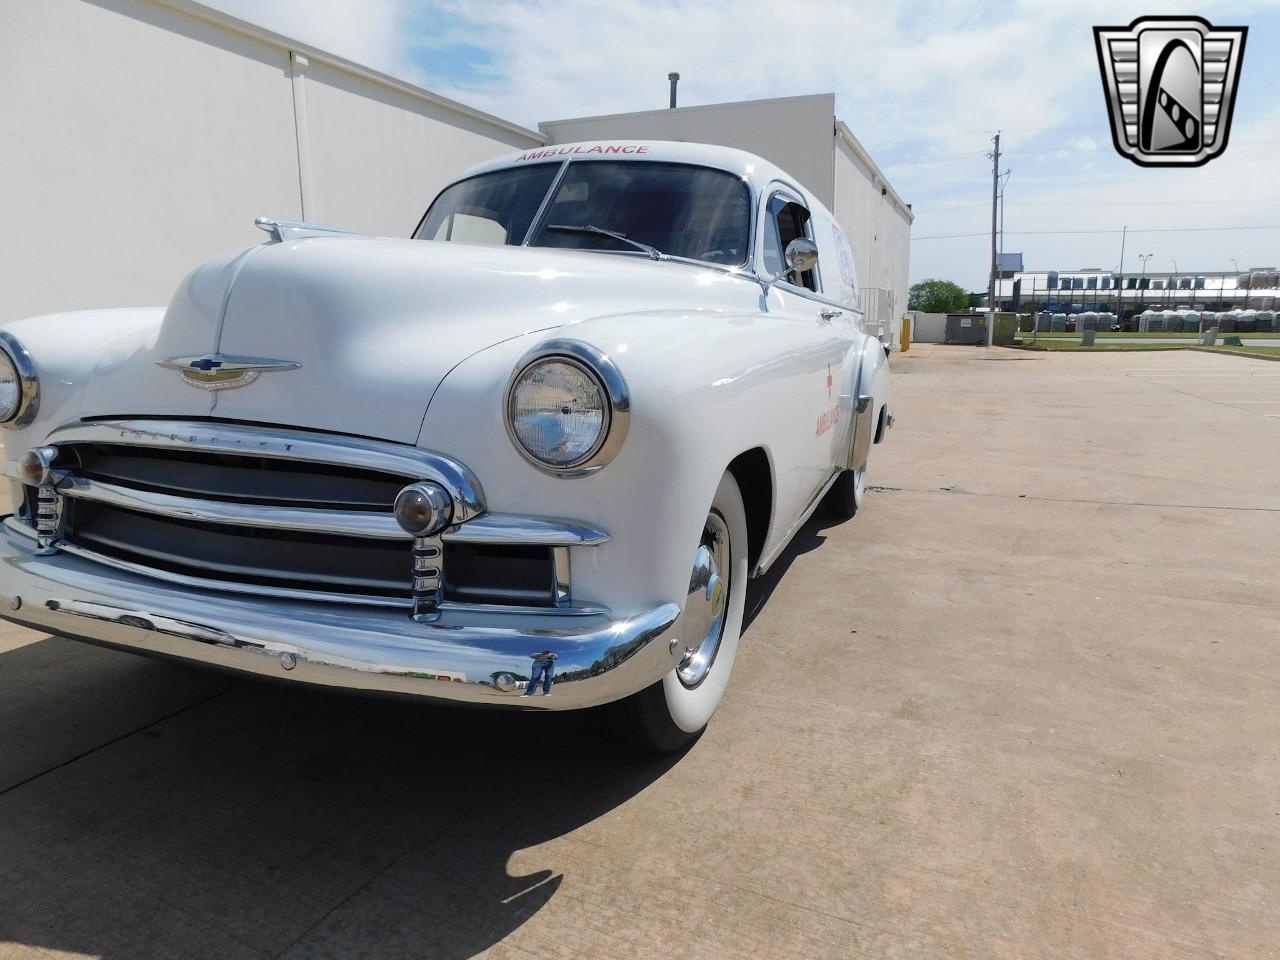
x=217 y=371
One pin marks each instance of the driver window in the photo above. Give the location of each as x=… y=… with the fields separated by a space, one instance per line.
x=787 y=220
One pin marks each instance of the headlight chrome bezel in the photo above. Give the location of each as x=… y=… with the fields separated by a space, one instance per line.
x=613 y=389
x=28 y=381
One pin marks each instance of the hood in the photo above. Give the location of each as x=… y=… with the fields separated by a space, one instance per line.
x=376 y=324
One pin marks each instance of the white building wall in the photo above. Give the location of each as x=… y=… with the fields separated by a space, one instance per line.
x=380 y=155
x=142 y=137
x=878 y=224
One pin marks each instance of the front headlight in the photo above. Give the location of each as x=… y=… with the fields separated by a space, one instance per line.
x=567 y=408
x=19 y=386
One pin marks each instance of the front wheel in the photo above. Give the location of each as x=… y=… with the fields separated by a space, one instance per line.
x=674 y=711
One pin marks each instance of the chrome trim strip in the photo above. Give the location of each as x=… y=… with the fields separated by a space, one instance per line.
x=17 y=526
x=767 y=560
x=231 y=586
x=284 y=444
x=29 y=405
x=346 y=523
x=536 y=223
x=573 y=610
x=532 y=531
x=599 y=365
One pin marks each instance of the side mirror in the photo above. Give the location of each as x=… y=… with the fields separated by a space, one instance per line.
x=801 y=255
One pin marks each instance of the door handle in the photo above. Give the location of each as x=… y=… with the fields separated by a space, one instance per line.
x=826 y=316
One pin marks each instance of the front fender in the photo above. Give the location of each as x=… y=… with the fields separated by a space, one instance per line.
x=70 y=351
x=704 y=387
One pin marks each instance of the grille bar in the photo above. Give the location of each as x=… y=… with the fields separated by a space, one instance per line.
x=349 y=523
x=300 y=446
x=251 y=589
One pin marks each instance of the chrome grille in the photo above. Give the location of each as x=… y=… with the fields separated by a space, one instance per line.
x=237 y=518
x=284 y=513
x=291 y=515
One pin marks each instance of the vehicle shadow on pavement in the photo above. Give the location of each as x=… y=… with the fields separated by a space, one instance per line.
x=808 y=537
x=265 y=820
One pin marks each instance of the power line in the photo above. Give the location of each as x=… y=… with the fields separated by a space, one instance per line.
x=982 y=133
x=1038 y=233
x=953 y=156
x=1073 y=148
x=1048 y=151
x=1095 y=203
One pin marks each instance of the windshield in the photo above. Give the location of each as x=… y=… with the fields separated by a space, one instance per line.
x=491 y=208
x=682 y=211
x=676 y=209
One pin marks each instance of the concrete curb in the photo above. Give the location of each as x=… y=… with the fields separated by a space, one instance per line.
x=1232 y=352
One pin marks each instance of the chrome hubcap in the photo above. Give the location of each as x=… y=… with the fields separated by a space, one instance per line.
x=704 y=610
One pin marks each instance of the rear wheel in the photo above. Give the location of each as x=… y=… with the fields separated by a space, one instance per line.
x=844 y=499
x=674 y=711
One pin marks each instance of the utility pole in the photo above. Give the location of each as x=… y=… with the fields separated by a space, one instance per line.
x=1120 y=279
x=991 y=286
x=1004 y=185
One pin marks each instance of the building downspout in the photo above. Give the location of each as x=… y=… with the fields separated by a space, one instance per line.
x=301 y=130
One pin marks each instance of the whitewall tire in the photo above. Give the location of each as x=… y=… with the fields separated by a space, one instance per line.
x=675 y=710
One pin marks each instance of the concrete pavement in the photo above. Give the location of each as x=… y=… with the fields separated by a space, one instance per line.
x=1025 y=705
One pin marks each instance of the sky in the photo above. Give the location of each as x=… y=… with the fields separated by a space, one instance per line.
x=922 y=85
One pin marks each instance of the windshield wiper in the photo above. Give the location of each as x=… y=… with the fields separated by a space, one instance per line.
x=653 y=252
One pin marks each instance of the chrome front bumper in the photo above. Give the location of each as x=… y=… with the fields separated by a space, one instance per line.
x=464 y=657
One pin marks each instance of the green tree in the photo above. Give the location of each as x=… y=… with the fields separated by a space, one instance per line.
x=937 y=296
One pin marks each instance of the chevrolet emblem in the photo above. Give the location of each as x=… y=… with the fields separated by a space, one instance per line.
x=217 y=371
